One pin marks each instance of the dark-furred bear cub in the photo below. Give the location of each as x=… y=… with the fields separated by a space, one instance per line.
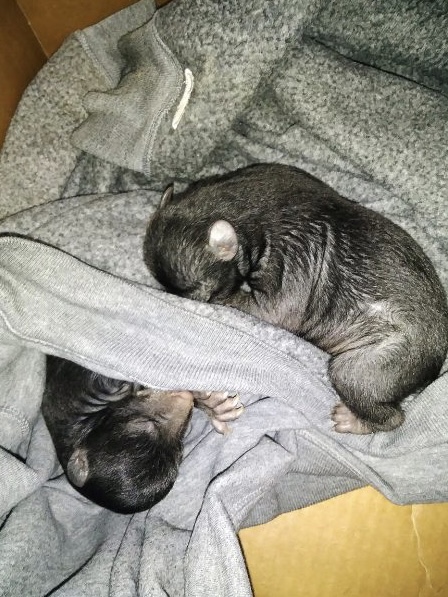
x=120 y=443
x=281 y=245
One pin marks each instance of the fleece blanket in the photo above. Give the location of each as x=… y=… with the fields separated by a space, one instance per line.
x=352 y=91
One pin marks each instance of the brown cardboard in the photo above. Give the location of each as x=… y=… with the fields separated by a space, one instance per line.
x=20 y=58
x=355 y=545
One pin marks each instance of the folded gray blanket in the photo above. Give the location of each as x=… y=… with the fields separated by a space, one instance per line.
x=124 y=107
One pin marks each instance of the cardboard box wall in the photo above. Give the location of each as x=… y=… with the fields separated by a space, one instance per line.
x=355 y=545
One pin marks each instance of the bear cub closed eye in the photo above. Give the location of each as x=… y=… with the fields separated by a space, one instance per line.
x=276 y=242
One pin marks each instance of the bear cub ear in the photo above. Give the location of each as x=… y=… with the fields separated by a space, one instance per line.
x=222 y=240
x=167 y=196
x=78 y=467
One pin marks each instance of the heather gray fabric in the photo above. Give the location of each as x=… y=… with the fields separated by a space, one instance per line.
x=271 y=83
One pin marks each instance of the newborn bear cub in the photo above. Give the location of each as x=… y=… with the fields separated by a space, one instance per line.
x=119 y=443
x=281 y=245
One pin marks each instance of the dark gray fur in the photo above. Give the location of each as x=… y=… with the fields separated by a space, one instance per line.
x=319 y=265
x=119 y=444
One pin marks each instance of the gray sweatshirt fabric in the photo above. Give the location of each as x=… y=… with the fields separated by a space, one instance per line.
x=352 y=92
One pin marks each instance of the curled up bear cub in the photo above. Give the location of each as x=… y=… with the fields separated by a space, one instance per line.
x=121 y=443
x=276 y=242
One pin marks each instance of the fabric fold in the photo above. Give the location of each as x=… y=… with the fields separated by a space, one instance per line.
x=220 y=44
